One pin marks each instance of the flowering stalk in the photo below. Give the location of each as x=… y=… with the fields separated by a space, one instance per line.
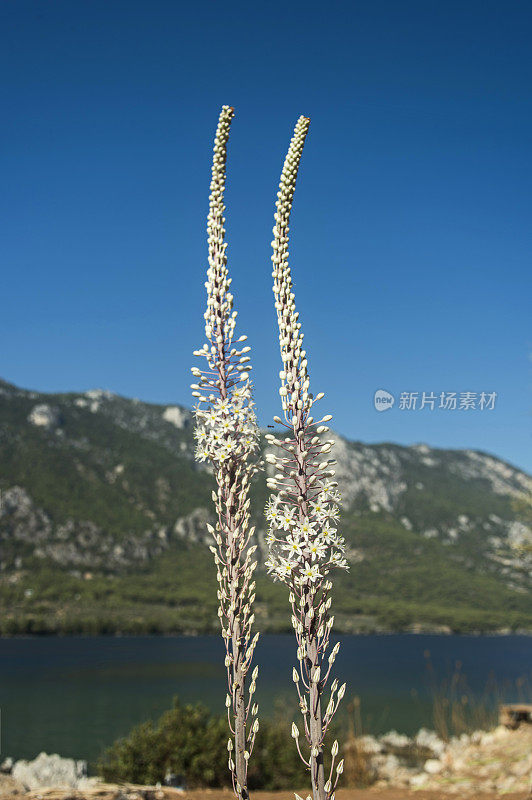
x=303 y=510
x=227 y=435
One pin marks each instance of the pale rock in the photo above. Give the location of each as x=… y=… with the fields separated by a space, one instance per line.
x=49 y=770
x=394 y=739
x=430 y=740
x=387 y=766
x=501 y=732
x=99 y=394
x=433 y=766
x=369 y=744
x=193 y=527
x=44 y=416
x=175 y=415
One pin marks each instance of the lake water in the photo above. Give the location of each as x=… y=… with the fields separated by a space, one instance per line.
x=74 y=696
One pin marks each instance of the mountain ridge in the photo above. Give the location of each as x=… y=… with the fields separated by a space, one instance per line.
x=101 y=500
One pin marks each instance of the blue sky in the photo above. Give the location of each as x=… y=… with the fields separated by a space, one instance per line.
x=411 y=227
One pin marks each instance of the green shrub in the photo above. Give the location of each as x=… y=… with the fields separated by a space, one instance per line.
x=275 y=763
x=187 y=741
x=191 y=743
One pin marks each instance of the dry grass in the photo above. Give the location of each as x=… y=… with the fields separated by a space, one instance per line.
x=456 y=709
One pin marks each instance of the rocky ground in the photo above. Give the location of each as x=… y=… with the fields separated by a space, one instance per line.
x=497 y=761
x=105 y=792
x=485 y=765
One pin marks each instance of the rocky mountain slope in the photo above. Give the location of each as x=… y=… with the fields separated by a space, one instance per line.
x=103 y=511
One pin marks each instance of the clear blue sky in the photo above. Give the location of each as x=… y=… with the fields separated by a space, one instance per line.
x=412 y=223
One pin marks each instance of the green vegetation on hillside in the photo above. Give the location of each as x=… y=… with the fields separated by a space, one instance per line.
x=89 y=542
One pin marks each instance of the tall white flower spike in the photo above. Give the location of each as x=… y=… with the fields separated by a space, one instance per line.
x=302 y=511
x=227 y=436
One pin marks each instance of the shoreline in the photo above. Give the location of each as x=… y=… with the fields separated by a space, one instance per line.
x=485 y=763
x=193 y=634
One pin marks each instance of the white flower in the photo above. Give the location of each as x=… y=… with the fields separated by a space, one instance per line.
x=293 y=545
x=328 y=534
x=271 y=565
x=305 y=529
x=333 y=513
x=317 y=550
x=310 y=573
x=318 y=508
x=337 y=560
x=272 y=509
x=285 y=567
x=286 y=518
x=202 y=453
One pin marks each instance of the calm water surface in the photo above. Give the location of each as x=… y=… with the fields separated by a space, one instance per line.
x=75 y=696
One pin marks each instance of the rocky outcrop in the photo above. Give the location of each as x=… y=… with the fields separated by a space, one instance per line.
x=44 y=416
x=497 y=761
x=194 y=526
x=49 y=770
x=72 y=543
x=176 y=415
x=20 y=520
